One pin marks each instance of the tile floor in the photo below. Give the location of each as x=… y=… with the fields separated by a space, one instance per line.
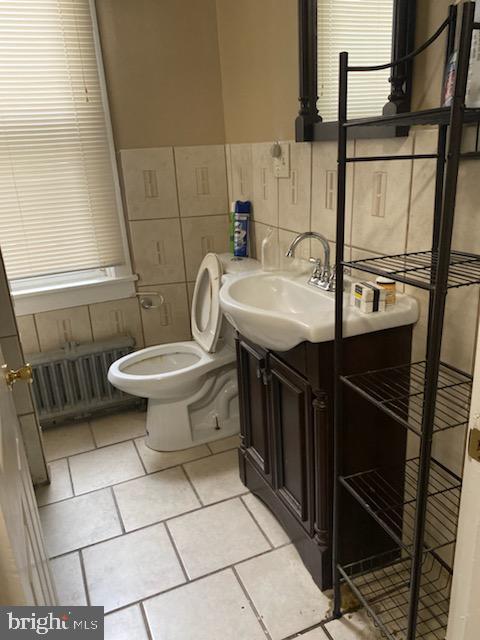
x=172 y=544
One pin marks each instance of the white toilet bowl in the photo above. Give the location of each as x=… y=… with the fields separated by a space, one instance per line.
x=191 y=386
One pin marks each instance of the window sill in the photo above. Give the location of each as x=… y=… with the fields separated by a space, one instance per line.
x=62 y=296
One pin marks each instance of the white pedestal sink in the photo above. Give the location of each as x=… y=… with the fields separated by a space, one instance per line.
x=280 y=310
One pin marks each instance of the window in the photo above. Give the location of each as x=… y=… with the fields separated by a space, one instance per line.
x=60 y=211
x=364 y=29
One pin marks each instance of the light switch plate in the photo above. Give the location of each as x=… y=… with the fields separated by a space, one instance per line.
x=281 y=165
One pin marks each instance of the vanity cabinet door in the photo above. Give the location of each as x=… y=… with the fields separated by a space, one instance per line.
x=292 y=417
x=255 y=434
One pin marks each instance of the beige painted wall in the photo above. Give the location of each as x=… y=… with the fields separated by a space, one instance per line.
x=259 y=63
x=187 y=73
x=163 y=71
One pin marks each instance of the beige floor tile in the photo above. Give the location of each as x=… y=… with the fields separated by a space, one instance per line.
x=104 y=467
x=216 y=478
x=68 y=578
x=158 y=460
x=216 y=537
x=60 y=442
x=266 y=520
x=132 y=567
x=154 y=498
x=224 y=444
x=283 y=592
x=353 y=626
x=126 y=624
x=119 y=427
x=213 y=608
x=60 y=486
x=79 y=522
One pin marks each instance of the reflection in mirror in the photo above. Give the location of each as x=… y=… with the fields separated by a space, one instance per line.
x=364 y=29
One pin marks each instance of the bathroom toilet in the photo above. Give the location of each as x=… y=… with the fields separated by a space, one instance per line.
x=191 y=387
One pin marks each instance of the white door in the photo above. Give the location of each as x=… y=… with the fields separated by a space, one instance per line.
x=464 y=618
x=25 y=577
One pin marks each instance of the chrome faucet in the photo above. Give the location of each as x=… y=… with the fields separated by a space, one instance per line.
x=323 y=276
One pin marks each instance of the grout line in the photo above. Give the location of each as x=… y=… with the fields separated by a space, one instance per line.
x=179 y=217
x=117 y=508
x=145 y=620
x=251 y=603
x=193 y=486
x=177 y=552
x=192 y=581
x=256 y=522
x=177 y=190
x=92 y=433
x=84 y=576
x=410 y=194
x=134 y=440
x=146 y=526
x=147 y=473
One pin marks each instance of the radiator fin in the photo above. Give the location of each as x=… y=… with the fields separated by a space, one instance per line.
x=72 y=382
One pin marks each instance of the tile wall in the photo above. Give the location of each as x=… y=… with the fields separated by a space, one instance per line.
x=176 y=208
x=176 y=205
x=389 y=210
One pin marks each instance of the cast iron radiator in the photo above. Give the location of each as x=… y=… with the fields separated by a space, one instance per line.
x=72 y=382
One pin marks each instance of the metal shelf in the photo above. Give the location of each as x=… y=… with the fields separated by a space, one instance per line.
x=393 y=507
x=399 y=391
x=438 y=116
x=382 y=584
x=418 y=268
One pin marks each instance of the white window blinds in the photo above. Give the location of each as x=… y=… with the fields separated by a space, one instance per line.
x=58 y=208
x=364 y=29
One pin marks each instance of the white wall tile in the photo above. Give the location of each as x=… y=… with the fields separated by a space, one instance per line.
x=149 y=182
x=117 y=318
x=294 y=192
x=202 y=180
x=324 y=190
x=241 y=172
x=465 y=230
x=157 y=251
x=203 y=235
x=27 y=332
x=170 y=321
x=423 y=192
x=381 y=196
x=55 y=328
x=265 y=185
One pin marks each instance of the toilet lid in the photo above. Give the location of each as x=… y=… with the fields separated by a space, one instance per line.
x=206 y=312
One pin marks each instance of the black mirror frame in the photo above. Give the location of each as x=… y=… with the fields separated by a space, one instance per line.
x=309 y=125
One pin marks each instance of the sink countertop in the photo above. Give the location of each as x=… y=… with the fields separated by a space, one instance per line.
x=279 y=310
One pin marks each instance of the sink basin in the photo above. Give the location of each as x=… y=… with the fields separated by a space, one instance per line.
x=280 y=310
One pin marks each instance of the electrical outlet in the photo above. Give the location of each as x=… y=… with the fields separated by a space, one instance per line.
x=281 y=165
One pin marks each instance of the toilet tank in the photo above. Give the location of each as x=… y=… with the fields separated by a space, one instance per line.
x=234 y=266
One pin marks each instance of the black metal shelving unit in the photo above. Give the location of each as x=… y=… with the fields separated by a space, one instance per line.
x=407 y=589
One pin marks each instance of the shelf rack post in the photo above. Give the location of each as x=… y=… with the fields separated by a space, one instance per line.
x=437 y=305
x=425 y=396
x=339 y=284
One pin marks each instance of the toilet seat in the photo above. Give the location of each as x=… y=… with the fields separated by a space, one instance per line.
x=167 y=370
x=206 y=312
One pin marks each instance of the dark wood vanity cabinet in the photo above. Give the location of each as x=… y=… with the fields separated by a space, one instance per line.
x=286 y=415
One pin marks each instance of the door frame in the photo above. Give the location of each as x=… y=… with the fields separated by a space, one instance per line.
x=464 y=617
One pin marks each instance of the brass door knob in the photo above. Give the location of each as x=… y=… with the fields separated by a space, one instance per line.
x=25 y=373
